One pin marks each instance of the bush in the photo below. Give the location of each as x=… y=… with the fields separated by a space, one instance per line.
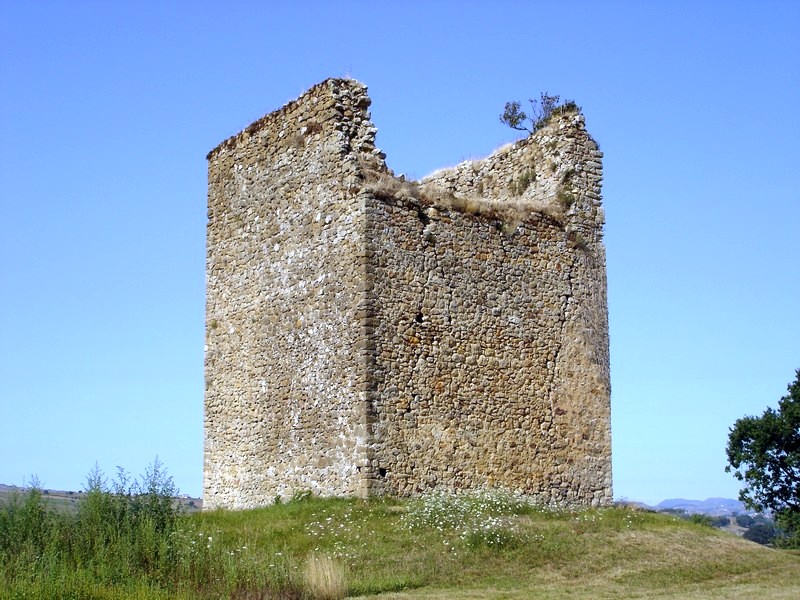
x=120 y=532
x=704 y=520
x=127 y=527
x=28 y=530
x=541 y=111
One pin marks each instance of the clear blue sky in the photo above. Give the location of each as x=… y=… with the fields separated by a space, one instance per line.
x=107 y=110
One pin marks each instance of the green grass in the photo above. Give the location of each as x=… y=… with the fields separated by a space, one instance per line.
x=470 y=546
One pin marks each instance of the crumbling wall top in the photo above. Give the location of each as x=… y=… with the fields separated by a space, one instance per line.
x=334 y=99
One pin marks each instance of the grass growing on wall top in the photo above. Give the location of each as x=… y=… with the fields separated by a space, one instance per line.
x=491 y=545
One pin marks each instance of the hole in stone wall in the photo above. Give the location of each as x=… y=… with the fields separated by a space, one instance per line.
x=424 y=219
x=418 y=318
x=382 y=472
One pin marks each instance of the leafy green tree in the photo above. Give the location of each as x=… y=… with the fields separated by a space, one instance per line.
x=515 y=117
x=764 y=452
x=760 y=533
x=745 y=521
x=720 y=521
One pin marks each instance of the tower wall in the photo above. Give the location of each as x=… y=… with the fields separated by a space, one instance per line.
x=368 y=335
x=491 y=345
x=283 y=408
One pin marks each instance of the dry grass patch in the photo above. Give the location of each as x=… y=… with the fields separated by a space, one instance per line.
x=325 y=578
x=510 y=213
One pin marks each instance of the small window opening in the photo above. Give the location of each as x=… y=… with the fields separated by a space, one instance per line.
x=382 y=472
x=418 y=318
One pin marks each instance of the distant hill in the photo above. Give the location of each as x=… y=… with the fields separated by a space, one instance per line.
x=68 y=500
x=717 y=507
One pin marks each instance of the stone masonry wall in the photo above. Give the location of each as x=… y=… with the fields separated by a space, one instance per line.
x=368 y=336
x=491 y=345
x=283 y=410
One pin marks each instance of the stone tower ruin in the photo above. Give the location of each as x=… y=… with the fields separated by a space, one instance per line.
x=368 y=335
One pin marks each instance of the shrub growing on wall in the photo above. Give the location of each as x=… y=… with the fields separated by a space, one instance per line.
x=541 y=110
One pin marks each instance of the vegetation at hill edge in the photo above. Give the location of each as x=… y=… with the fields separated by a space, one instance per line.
x=764 y=453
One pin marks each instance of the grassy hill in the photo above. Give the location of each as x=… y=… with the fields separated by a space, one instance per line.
x=488 y=546
x=480 y=548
